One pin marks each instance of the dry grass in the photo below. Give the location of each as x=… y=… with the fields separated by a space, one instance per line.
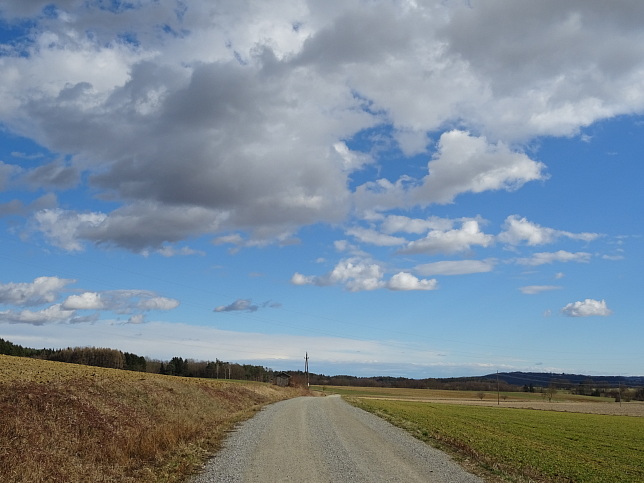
x=67 y=423
x=561 y=402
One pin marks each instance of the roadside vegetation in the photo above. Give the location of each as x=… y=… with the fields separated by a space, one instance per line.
x=505 y=443
x=66 y=422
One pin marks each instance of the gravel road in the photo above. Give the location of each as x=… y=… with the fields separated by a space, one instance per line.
x=324 y=439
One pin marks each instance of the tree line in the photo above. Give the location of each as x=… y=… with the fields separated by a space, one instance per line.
x=450 y=383
x=625 y=389
x=116 y=359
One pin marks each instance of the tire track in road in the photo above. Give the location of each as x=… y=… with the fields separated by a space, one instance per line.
x=325 y=439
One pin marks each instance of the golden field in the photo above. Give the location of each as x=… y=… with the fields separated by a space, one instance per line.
x=71 y=423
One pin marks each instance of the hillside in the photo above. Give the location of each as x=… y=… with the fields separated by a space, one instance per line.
x=544 y=379
x=65 y=422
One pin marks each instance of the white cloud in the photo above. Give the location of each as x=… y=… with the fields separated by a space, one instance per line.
x=52 y=314
x=352 y=160
x=406 y=281
x=455 y=267
x=613 y=257
x=451 y=241
x=587 y=308
x=45 y=290
x=128 y=301
x=519 y=230
x=84 y=301
x=137 y=319
x=42 y=290
x=157 y=303
x=357 y=274
x=374 y=238
x=536 y=289
x=551 y=257
x=403 y=224
x=465 y=163
x=63 y=228
x=245 y=122
x=299 y=279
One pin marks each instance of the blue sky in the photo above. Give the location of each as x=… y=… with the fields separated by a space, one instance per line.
x=422 y=190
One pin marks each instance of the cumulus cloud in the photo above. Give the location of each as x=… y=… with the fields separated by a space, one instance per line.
x=462 y=164
x=465 y=163
x=84 y=301
x=245 y=122
x=42 y=290
x=47 y=290
x=450 y=241
x=558 y=256
x=357 y=274
x=53 y=314
x=375 y=238
x=407 y=281
x=127 y=301
x=64 y=229
x=587 y=308
x=403 y=224
x=520 y=230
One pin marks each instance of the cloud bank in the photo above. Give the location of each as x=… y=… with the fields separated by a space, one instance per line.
x=197 y=128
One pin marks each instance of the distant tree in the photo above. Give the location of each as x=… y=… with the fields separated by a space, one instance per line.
x=134 y=362
x=639 y=394
x=550 y=392
x=176 y=367
x=481 y=395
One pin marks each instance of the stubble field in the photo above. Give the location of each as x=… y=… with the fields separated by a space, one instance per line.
x=65 y=422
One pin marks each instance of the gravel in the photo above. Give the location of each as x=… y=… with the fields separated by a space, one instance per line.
x=324 y=439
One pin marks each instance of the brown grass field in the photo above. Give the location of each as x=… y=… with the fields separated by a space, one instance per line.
x=520 y=400
x=71 y=423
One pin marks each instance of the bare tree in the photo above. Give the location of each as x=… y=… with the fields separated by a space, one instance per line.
x=550 y=392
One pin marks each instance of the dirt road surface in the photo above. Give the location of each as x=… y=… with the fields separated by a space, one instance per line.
x=324 y=439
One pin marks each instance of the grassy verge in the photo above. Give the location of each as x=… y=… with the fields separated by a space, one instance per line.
x=526 y=445
x=67 y=423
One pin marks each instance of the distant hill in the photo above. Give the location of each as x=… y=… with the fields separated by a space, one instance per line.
x=544 y=379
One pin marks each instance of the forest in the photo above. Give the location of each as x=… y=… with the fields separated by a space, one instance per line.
x=116 y=359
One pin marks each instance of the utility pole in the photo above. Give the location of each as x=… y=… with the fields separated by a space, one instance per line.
x=306 y=369
x=498 y=395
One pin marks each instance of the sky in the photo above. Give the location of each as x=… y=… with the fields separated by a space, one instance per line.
x=395 y=187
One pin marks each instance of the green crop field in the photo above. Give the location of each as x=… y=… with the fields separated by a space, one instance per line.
x=523 y=444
